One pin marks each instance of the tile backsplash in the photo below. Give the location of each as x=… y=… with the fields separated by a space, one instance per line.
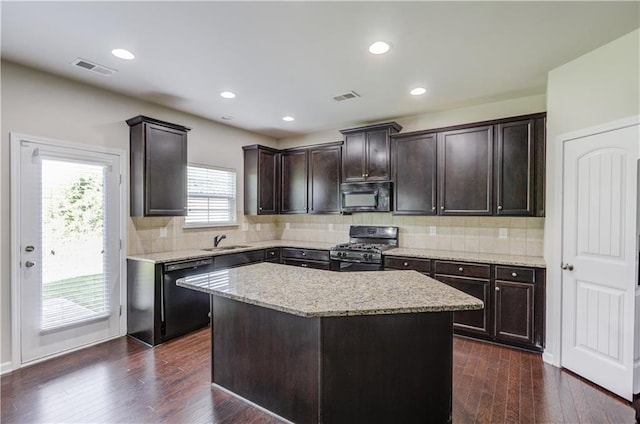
x=500 y=235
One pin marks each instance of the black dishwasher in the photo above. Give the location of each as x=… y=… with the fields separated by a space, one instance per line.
x=157 y=309
x=183 y=310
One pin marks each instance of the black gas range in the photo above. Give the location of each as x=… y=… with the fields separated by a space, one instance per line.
x=364 y=250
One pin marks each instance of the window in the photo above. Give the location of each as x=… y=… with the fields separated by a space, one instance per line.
x=211 y=198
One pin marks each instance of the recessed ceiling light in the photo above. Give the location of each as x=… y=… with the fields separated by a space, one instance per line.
x=288 y=118
x=227 y=95
x=123 y=54
x=379 y=47
x=418 y=91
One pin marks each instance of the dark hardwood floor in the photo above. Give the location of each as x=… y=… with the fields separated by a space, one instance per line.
x=123 y=381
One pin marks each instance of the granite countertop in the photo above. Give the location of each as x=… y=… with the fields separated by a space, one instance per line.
x=318 y=293
x=490 y=258
x=514 y=260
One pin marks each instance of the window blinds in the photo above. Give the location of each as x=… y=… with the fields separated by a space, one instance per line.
x=211 y=198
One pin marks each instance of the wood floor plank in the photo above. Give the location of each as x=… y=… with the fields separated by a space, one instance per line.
x=123 y=381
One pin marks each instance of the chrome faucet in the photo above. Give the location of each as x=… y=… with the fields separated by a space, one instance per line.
x=218 y=239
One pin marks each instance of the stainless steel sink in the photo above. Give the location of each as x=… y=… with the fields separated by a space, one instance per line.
x=220 y=248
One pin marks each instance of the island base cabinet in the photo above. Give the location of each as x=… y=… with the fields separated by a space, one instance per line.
x=373 y=368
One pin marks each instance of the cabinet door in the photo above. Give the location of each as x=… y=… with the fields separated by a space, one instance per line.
x=294 y=182
x=267 y=182
x=514 y=311
x=353 y=157
x=377 y=155
x=324 y=180
x=515 y=168
x=478 y=321
x=414 y=175
x=166 y=171
x=465 y=171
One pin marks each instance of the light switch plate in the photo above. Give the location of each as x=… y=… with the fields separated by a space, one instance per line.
x=503 y=233
x=163 y=232
x=330 y=227
x=432 y=230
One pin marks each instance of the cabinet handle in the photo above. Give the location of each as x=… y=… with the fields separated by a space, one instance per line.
x=260 y=208
x=364 y=175
x=460 y=269
x=304 y=253
x=272 y=253
x=514 y=274
x=406 y=264
x=497 y=288
x=499 y=207
x=303 y=265
x=441 y=207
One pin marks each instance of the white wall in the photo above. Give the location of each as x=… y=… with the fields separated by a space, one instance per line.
x=483 y=112
x=599 y=87
x=40 y=104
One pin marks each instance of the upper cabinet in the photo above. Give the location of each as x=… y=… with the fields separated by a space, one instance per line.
x=465 y=171
x=261 y=180
x=414 y=170
x=490 y=168
x=324 y=178
x=294 y=181
x=158 y=167
x=366 y=152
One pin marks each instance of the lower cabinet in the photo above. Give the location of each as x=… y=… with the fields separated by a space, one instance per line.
x=306 y=258
x=513 y=297
x=272 y=255
x=237 y=259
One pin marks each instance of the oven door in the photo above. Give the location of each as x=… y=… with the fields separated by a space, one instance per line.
x=345 y=266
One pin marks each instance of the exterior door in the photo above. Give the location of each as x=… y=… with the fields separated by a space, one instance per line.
x=600 y=251
x=68 y=240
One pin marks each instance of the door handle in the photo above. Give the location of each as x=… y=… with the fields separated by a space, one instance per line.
x=567 y=267
x=29 y=264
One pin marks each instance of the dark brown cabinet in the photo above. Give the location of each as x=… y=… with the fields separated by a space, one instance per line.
x=519 y=163
x=465 y=171
x=261 y=180
x=366 y=152
x=324 y=178
x=294 y=181
x=513 y=298
x=306 y=258
x=414 y=169
x=158 y=167
x=473 y=279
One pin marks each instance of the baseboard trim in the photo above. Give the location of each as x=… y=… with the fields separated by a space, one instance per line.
x=5 y=367
x=550 y=359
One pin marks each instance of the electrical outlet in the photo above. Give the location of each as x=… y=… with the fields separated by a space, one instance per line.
x=330 y=227
x=503 y=233
x=163 y=232
x=432 y=230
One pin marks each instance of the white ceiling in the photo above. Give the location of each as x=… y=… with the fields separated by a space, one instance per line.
x=292 y=58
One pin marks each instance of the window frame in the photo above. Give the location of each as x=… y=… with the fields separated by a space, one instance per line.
x=234 y=212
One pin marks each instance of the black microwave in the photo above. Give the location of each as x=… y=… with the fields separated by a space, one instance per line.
x=366 y=197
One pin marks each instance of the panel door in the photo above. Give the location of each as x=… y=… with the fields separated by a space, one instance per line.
x=514 y=311
x=600 y=253
x=166 y=171
x=471 y=321
x=294 y=182
x=414 y=175
x=324 y=180
x=268 y=182
x=377 y=168
x=515 y=168
x=353 y=157
x=465 y=173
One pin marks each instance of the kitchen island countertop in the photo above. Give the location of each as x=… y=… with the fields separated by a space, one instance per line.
x=318 y=293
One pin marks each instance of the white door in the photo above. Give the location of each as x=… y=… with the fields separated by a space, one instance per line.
x=599 y=254
x=68 y=230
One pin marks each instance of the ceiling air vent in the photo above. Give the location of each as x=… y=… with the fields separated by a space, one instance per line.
x=93 y=67
x=346 y=96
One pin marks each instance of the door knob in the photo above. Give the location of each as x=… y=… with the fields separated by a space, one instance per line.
x=29 y=264
x=567 y=267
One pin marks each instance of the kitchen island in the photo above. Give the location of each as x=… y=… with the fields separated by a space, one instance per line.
x=317 y=346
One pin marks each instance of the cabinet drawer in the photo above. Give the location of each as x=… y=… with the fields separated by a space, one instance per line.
x=509 y=273
x=272 y=255
x=307 y=264
x=462 y=269
x=421 y=265
x=236 y=259
x=307 y=254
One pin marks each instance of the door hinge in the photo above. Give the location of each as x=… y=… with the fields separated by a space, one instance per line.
x=120 y=244
x=120 y=310
x=120 y=179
